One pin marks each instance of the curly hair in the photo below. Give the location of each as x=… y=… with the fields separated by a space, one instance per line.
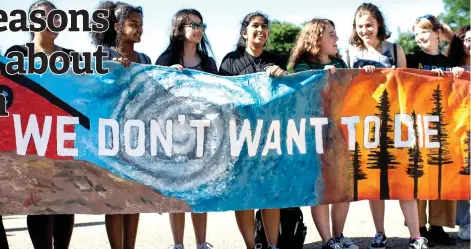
x=307 y=46
x=176 y=44
x=118 y=12
x=456 y=51
x=36 y=5
x=373 y=10
x=242 y=43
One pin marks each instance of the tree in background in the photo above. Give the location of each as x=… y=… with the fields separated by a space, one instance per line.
x=407 y=41
x=282 y=38
x=456 y=13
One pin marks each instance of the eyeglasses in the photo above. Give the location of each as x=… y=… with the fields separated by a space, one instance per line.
x=467 y=40
x=196 y=26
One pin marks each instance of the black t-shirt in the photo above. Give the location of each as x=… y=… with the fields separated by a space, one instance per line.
x=422 y=60
x=240 y=62
x=164 y=59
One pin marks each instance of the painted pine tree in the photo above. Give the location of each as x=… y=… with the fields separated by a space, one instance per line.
x=441 y=155
x=382 y=158
x=357 y=173
x=415 y=169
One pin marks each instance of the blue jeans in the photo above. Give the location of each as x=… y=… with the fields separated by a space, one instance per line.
x=462 y=213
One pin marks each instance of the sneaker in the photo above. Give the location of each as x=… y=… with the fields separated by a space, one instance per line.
x=345 y=242
x=272 y=246
x=426 y=234
x=178 y=246
x=379 y=242
x=204 y=245
x=464 y=232
x=439 y=236
x=331 y=244
x=418 y=243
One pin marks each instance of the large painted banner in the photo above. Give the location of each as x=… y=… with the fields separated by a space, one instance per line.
x=152 y=139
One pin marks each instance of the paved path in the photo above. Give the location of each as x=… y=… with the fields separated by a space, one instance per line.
x=154 y=230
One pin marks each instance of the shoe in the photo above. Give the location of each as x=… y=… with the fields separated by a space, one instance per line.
x=258 y=246
x=464 y=232
x=178 y=246
x=439 y=236
x=204 y=245
x=379 y=242
x=426 y=234
x=418 y=243
x=331 y=244
x=345 y=242
x=272 y=246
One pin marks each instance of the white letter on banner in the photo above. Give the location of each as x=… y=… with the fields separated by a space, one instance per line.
x=318 y=123
x=199 y=124
x=429 y=132
x=62 y=136
x=352 y=135
x=32 y=129
x=273 y=138
x=398 y=120
x=298 y=138
x=366 y=139
x=244 y=135
x=113 y=124
x=156 y=134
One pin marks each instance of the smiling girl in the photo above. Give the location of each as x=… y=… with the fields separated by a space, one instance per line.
x=369 y=50
x=316 y=48
x=251 y=57
x=125 y=30
x=429 y=33
x=188 y=48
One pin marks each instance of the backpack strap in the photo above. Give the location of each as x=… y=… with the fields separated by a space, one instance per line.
x=395 y=54
x=348 y=57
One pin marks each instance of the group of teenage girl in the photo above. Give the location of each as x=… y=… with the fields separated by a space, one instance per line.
x=315 y=48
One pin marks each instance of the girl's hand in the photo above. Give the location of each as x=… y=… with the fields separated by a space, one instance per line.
x=178 y=66
x=124 y=61
x=457 y=71
x=331 y=69
x=369 y=69
x=439 y=71
x=276 y=71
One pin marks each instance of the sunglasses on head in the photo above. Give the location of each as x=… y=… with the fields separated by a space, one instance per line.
x=428 y=16
x=431 y=18
x=196 y=26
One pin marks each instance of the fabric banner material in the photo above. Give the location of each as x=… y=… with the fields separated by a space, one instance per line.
x=153 y=139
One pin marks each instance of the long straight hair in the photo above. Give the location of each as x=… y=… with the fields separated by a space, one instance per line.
x=177 y=36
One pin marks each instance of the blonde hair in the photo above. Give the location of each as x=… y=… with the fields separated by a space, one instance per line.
x=307 y=46
x=443 y=31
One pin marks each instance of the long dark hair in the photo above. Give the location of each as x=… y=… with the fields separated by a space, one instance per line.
x=174 y=51
x=456 y=51
x=383 y=31
x=118 y=13
x=242 y=43
x=36 y=5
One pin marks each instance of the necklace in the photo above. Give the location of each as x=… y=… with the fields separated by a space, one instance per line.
x=257 y=67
